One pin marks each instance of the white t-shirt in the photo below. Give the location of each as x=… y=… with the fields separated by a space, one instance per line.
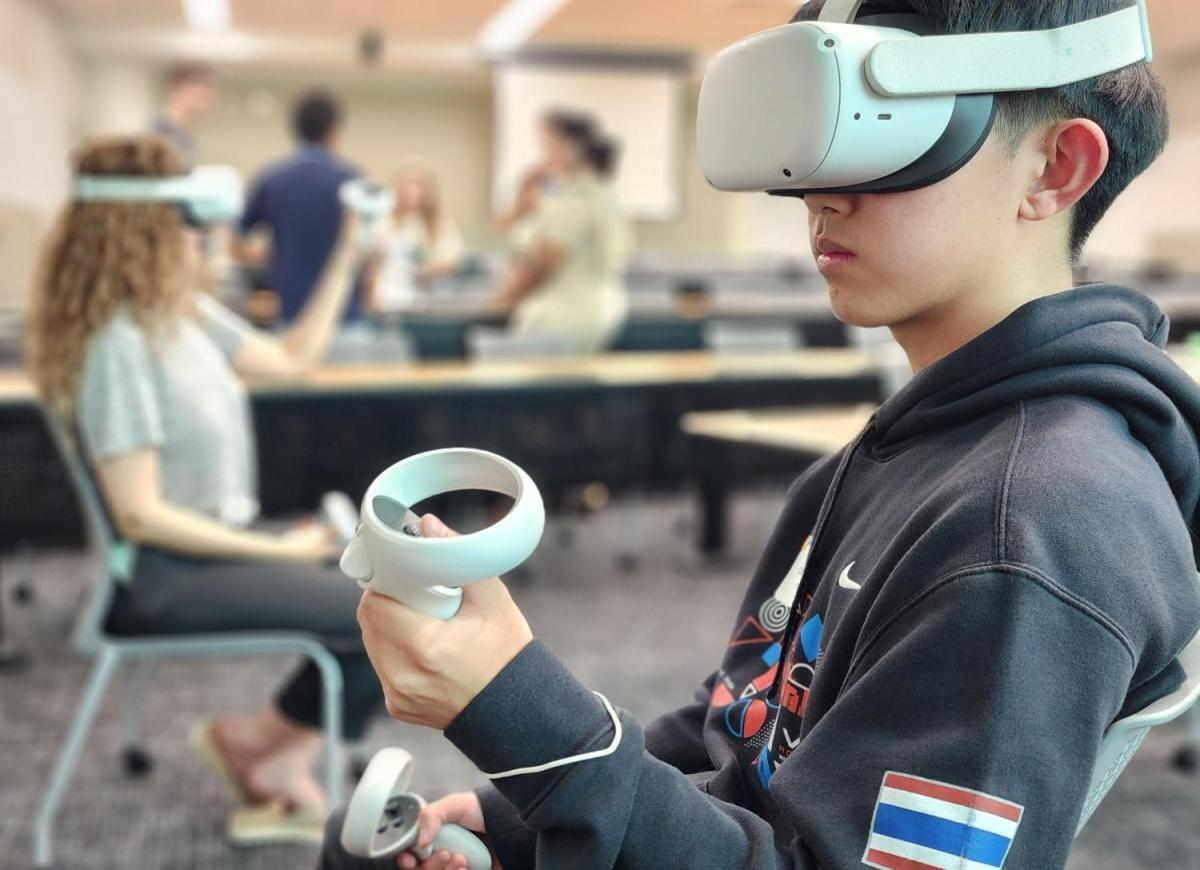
x=405 y=248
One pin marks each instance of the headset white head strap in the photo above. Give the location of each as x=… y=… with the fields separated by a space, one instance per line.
x=840 y=11
x=131 y=188
x=984 y=63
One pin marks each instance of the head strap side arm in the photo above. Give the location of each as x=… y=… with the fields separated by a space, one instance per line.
x=840 y=11
x=987 y=63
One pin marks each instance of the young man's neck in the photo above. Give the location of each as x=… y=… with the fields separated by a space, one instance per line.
x=939 y=331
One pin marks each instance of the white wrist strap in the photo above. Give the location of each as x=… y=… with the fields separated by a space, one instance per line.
x=574 y=759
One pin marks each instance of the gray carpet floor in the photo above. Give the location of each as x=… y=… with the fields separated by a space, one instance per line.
x=645 y=640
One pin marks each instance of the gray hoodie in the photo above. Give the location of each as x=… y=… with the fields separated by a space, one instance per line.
x=949 y=614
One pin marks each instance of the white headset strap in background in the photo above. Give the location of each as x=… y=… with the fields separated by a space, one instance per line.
x=840 y=11
x=984 y=63
x=132 y=188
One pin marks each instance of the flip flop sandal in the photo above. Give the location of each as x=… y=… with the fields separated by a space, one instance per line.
x=273 y=823
x=207 y=745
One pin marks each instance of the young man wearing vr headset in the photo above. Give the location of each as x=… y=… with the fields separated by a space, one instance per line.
x=953 y=609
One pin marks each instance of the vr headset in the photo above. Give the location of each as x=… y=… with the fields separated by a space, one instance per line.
x=881 y=106
x=207 y=194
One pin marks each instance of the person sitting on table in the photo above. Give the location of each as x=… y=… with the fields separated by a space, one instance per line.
x=421 y=243
x=146 y=366
x=297 y=200
x=572 y=240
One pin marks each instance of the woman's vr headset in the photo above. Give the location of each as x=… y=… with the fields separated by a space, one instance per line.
x=878 y=106
x=207 y=194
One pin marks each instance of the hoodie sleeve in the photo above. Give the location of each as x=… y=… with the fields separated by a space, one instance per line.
x=676 y=738
x=985 y=697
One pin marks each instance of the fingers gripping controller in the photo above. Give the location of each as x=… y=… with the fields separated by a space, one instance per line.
x=389 y=556
x=382 y=817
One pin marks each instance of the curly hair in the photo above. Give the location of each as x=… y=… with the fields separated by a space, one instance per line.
x=102 y=257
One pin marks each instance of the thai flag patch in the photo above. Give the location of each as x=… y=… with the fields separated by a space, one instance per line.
x=920 y=824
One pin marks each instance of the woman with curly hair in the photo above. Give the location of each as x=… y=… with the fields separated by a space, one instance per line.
x=144 y=367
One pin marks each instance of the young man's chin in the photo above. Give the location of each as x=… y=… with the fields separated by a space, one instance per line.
x=857 y=308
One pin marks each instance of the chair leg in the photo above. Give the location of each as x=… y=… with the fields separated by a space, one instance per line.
x=331 y=717
x=64 y=767
x=136 y=760
x=632 y=520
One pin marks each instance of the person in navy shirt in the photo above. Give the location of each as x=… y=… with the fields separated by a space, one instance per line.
x=296 y=198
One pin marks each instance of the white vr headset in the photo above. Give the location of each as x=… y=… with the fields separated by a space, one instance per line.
x=878 y=106
x=207 y=194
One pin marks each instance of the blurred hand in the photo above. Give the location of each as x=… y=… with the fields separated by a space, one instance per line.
x=431 y=669
x=462 y=809
x=313 y=542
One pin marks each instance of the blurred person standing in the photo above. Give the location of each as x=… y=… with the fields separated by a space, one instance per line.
x=190 y=96
x=572 y=240
x=296 y=199
x=421 y=243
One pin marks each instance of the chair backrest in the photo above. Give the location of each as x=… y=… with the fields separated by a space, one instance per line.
x=751 y=337
x=103 y=546
x=1124 y=736
x=361 y=344
x=489 y=343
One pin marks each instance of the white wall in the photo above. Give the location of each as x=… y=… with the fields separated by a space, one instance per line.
x=1159 y=212
x=38 y=99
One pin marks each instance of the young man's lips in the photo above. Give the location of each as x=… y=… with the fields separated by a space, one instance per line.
x=831 y=256
x=827 y=264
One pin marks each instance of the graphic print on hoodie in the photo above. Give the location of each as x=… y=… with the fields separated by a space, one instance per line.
x=999 y=567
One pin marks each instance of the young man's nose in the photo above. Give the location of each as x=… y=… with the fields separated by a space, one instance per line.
x=830 y=203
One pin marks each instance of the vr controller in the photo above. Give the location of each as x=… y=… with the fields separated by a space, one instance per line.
x=381 y=818
x=339 y=513
x=388 y=554
x=372 y=202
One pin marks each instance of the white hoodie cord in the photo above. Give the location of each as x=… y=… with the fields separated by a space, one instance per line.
x=574 y=759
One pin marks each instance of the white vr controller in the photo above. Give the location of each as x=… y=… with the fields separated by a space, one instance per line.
x=372 y=203
x=388 y=554
x=382 y=816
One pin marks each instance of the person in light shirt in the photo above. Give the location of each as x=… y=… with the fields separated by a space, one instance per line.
x=571 y=241
x=421 y=243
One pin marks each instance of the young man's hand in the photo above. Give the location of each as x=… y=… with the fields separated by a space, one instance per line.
x=461 y=808
x=430 y=668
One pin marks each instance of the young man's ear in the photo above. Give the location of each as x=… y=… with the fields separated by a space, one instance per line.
x=1070 y=158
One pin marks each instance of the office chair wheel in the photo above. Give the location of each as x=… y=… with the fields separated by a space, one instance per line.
x=1185 y=759
x=136 y=762
x=627 y=563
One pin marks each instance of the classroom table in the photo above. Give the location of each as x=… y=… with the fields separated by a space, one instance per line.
x=612 y=419
x=743 y=445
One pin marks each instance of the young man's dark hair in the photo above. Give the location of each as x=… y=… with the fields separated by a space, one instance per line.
x=315 y=115
x=1129 y=104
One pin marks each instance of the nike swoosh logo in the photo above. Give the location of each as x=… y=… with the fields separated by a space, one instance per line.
x=845 y=582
